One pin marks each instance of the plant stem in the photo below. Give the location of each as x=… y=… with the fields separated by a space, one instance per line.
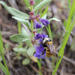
x=39 y=65
x=50 y=34
x=5 y=63
x=19 y=30
x=49 y=31
x=32 y=29
x=19 y=27
x=31 y=8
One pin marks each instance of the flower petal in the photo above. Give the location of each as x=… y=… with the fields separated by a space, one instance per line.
x=38 y=36
x=44 y=21
x=37 y=25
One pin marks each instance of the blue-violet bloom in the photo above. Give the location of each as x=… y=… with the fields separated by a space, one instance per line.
x=37 y=25
x=38 y=36
x=43 y=36
x=39 y=51
x=44 y=21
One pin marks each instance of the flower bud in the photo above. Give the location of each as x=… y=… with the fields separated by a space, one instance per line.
x=32 y=2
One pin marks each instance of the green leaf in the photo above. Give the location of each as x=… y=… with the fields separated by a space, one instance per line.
x=72 y=11
x=1 y=43
x=26 y=61
x=37 y=2
x=3 y=68
x=27 y=3
x=14 y=11
x=20 y=50
x=45 y=11
x=41 y=4
x=18 y=38
x=19 y=27
x=64 y=23
x=44 y=17
x=0 y=58
x=69 y=28
x=24 y=33
x=26 y=22
x=30 y=51
x=66 y=39
x=54 y=19
x=57 y=65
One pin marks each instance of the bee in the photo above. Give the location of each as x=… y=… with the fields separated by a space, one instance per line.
x=49 y=47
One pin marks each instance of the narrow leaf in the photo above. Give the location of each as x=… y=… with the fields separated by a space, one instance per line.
x=37 y=2
x=1 y=43
x=27 y=3
x=41 y=5
x=45 y=11
x=26 y=22
x=14 y=11
x=54 y=19
x=72 y=11
x=57 y=65
x=3 y=68
x=66 y=39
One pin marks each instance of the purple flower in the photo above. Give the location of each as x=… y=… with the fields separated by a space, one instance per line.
x=37 y=25
x=39 y=51
x=44 y=21
x=38 y=36
x=45 y=36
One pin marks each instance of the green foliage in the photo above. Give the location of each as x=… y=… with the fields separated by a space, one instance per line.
x=45 y=11
x=19 y=27
x=55 y=19
x=72 y=11
x=25 y=34
x=3 y=68
x=44 y=17
x=27 y=3
x=26 y=61
x=69 y=28
x=64 y=23
x=20 y=50
x=15 y=12
x=37 y=2
x=57 y=65
x=66 y=39
x=41 y=4
x=0 y=58
x=1 y=43
x=18 y=38
x=39 y=30
x=1 y=52
x=30 y=51
x=26 y=22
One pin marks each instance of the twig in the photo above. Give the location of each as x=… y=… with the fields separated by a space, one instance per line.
x=33 y=68
x=7 y=42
